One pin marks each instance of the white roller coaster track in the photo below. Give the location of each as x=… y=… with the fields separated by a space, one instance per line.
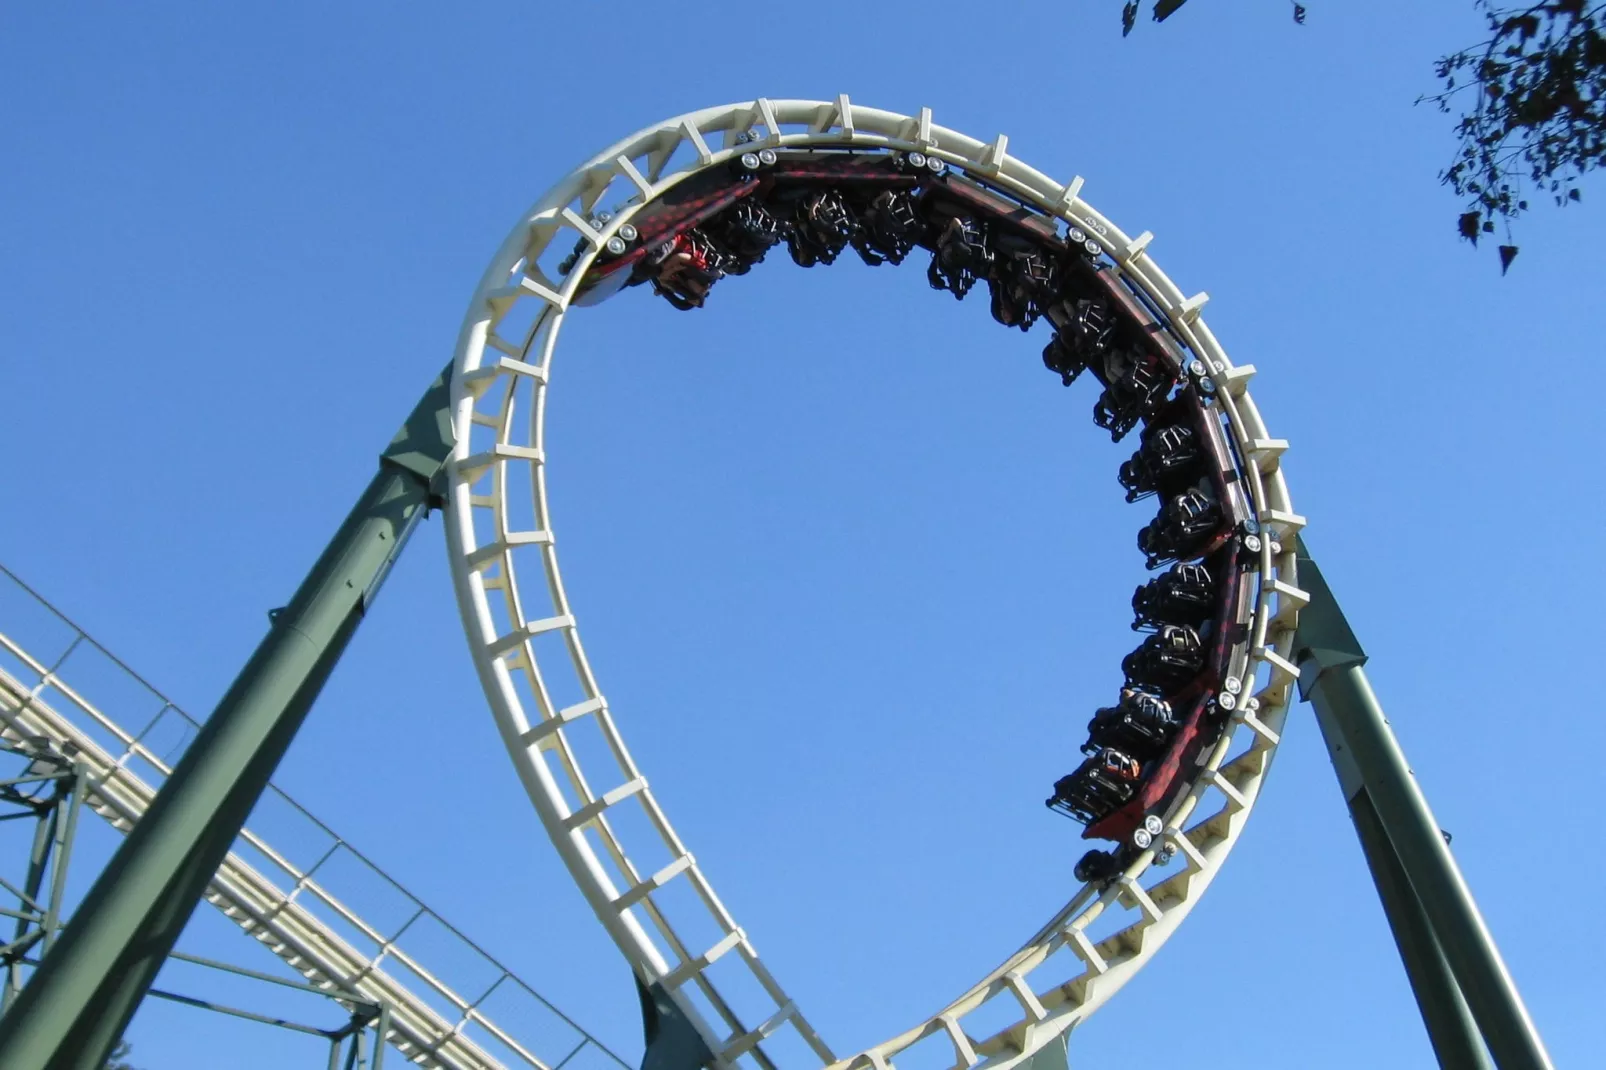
x=287 y=909
x=499 y=527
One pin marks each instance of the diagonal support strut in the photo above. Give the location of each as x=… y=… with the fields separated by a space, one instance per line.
x=87 y=987
x=1467 y=997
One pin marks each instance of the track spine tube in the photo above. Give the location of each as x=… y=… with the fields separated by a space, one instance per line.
x=1378 y=783
x=77 y=1004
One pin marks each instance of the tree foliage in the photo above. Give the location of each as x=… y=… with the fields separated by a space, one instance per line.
x=1163 y=9
x=1537 y=115
x=1535 y=100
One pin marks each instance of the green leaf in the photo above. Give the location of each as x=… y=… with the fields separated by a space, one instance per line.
x=1508 y=253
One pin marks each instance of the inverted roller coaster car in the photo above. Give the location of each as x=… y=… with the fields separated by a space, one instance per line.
x=1084 y=331
x=1166 y=660
x=1100 y=785
x=821 y=229
x=1190 y=524
x=1167 y=462
x=1139 y=724
x=1138 y=383
x=687 y=266
x=1160 y=782
x=962 y=256
x=889 y=229
x=747 y=231
x=1023 y=281
x=1183 y=594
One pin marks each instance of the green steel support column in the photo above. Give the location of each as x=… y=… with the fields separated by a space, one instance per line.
x=381 y=1030
x=359 y=1029
x=1451 y=1029
x=1430 y=889
x=44 y=839
x=66 y=830
x=673 y=1043
x=78 y=1002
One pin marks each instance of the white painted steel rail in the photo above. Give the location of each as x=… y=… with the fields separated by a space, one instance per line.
x=284 y=906
x=545 y=697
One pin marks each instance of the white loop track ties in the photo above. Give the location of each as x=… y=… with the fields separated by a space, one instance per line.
x=499 y=388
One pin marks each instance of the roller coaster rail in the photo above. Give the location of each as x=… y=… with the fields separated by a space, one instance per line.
x=682 y=204
x=499 y=390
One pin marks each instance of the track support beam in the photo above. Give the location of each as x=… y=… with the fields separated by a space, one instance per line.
x=673 y=1042
x=1467 y=997
x=78 y=1002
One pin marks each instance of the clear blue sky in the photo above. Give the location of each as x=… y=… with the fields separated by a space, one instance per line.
x=851 y=566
